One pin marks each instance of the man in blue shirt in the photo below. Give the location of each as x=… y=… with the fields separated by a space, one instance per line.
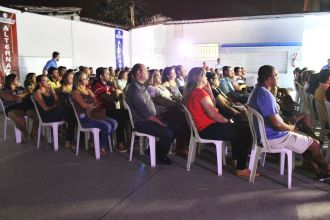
x=52 y=62
x=226 y=86
x=279 y=134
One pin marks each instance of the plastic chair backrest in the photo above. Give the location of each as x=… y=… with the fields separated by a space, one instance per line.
x=259 y=138
x=191 y=122
x=3 y=108
x=75 y=112
x=321 y=112
x=36 y=107
x=129 y=113
x=311 y=107
x=327 y=106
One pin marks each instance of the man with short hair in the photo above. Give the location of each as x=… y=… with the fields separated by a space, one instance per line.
x=226 y=86
x=54 y=78
x=181 y=75
x=319 y=94
x=279 y=134
x=218 y=65
x=238 y=83
x=52 y=62
x=326 y=67
x=144 y=113
x=108 y=95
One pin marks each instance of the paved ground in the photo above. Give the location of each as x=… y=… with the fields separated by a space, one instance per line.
x=42 y=184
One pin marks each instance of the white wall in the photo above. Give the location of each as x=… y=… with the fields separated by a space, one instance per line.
x=79 y=43
x=233 y=32
x=148 y=46
x=312 y=30
x=316 y=41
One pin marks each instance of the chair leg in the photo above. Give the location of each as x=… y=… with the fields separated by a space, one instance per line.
x=290 y=163
x=39 y=134
x=252 y=156
x=86 y=140
x=132 y=146
x=196 y=145
x=263 y=158
x=327 y=156
x=219 y=149
x=49 y=134
x=78 y=141
x=255 y=158
x=191 y=151
x=96 y=137
x=293 y=160
x=110 y=142
x=142 y=139
x=282 y=163
x=55 y=136
x=18 y=135
x=152 y=147
x=224 y=152
x=5 y=130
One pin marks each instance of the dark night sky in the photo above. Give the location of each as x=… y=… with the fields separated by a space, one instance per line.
x=186 y=9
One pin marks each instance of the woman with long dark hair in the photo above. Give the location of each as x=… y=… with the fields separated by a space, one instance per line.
x=46 y=100
x=85 y=102
x=18 y=105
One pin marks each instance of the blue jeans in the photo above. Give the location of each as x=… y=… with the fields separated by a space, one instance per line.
x=107 y=126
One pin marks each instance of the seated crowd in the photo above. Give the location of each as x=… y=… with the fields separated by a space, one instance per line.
x=218 y=104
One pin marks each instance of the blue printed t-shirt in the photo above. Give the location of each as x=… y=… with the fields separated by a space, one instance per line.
x=226 y=85
x=264 y=102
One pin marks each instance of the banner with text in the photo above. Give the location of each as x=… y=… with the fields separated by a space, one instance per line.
x=119 y=36
x=8 y=45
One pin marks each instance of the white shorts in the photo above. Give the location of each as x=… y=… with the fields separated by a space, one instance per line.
x=292 y=141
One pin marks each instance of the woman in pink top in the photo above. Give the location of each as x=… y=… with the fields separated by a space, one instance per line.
x=210 y=124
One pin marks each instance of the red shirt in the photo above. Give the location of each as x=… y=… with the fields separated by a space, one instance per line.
x=201 y=119
x=99 y=88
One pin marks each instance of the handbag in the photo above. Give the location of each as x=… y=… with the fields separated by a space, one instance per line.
x=97 y=114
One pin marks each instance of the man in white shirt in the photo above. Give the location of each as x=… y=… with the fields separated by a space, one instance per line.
x=218 y=65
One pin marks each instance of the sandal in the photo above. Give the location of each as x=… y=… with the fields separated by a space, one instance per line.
x=103 y=151
x=121 y=148
x=245 y=172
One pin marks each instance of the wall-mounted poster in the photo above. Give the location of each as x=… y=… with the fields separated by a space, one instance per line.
x=119 y=49
x=8 y=45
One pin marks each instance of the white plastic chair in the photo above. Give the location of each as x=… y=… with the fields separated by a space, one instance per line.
x=327 y=106
x=18 y=133
x=151 y=140
x=323 y=119
x=195 y=138
x=310 y=102
x=262 y=147
x=94 y=131
x=53 y=125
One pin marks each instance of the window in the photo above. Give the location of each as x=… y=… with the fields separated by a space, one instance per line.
x=204 y=52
